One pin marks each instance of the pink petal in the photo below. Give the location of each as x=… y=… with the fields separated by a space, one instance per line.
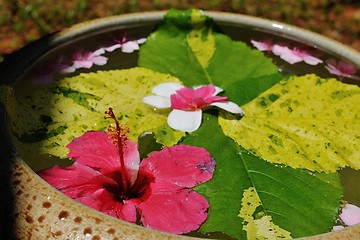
x=97 y=52
x=230 y=107
x=157 y=101
x=350 y=214
x=130 y=47
x=175 y=212
x=76 y=180
x=112 y=47
x=185 y=121
x=96 y=150
x=181 y=165
x=100 y=60
x=265 y=45
x=83 y=64
x=312 y=60
x=103 y=201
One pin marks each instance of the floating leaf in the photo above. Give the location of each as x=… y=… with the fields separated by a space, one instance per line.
x=187 y=46
x=297 y=201
x=304 y=122
x=263 y=227
x=53 y=116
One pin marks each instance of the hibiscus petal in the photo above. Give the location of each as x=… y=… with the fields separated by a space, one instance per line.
x=157 y=101
x=76 y=180
x=104 y=201
x=174 y=212
x=181 y=165
x=230 y=107
x=350 y=214
x=186 y=121
x=95 y=150
x=166 y=89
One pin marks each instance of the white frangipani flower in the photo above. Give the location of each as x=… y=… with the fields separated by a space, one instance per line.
x=187 y=103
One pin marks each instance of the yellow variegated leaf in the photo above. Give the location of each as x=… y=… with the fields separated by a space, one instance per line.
x=303 y=122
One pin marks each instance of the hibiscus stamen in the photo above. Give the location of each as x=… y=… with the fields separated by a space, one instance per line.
x=119 y=139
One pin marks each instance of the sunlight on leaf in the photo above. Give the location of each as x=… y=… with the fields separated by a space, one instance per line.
x=304 y=122
x=260 y=228
x=53 y=116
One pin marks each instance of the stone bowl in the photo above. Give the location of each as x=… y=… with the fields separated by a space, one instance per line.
x=32 y=209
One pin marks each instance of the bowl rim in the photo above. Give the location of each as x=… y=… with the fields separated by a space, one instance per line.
x=133 y=19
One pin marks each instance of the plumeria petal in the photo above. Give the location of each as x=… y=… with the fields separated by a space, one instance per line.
x=176 y=212
x=264 y=45
x=113 y=47
x=337 y=227
x=83 y=64
x=157 y=101
x=99 y=60
x=186 y=121
x=341 y=68
x=230 y=107
x=185 y=166
x=166 y=89
x=130 y=46
x=350 y=214
x=311 y=60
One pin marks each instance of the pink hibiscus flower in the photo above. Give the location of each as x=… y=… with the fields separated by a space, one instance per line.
x=86 y=59
x=341 y=68
x=187 y=103
x=107 y=175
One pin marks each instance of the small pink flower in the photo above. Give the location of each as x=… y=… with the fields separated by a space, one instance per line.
x=187 y=103
x=107 y=175
x=350 y=215
x=126 y=45
x=296 y=54
x=264 y=45
x=86 y=59
x=46 y=71
x=341 y=68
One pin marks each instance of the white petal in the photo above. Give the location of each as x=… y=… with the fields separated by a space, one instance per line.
x=184 y=121
x=166 y=89
x=230 y=107
x=217 y=91
x=157 y=101
x=141 y=40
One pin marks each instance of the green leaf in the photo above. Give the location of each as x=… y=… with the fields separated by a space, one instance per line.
x=47 y=120
x=188 y=47
x=298 y=201
x=303 y=122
